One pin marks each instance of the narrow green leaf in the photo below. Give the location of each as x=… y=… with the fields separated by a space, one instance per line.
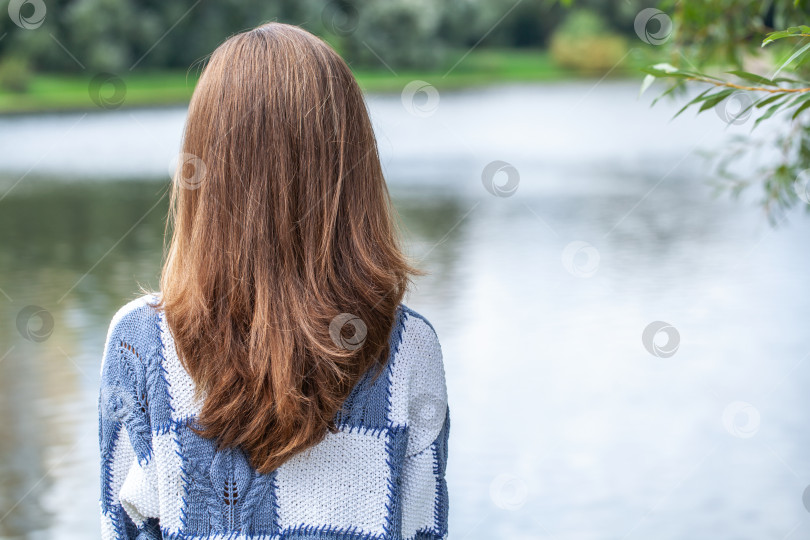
x=753 y=77
x=664 y=66
x=768 y=100
x=792 y=58
x=646 y=83
x=662 y=73
x=695 y=100
x=801 y=98
x=714 y=99
x=801 y=109
x=666 y=93
x=793 y=31
x=710 y=96
x=700 y=75
x=767 y=114
x=773 y=36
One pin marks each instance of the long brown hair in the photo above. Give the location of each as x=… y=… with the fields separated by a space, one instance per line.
x=283 y=275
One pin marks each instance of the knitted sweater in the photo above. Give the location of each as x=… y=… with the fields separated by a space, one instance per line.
x=381 y=476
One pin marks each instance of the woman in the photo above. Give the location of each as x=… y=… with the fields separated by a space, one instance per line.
x=275 y=387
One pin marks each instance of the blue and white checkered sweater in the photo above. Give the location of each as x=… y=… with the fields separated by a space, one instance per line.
x=380 y=477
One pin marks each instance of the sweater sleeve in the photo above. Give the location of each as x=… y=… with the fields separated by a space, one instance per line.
x=129 y=496
x=424 y=490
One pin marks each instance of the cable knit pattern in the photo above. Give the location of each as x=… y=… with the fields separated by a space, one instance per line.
x=380 y=477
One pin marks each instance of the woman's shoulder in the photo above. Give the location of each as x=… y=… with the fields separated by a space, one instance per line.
x=418 y=389
x=416 y=343
x=416 y=318
x=135 y=324
x=415 y=330
x=136 y=310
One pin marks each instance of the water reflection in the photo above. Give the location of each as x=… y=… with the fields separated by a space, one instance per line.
x=79 y=250
x=564 y=426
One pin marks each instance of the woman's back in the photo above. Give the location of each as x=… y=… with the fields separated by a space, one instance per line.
x=380 y=475
x=275 y=387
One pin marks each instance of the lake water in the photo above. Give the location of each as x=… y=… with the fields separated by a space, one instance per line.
x=564 y=426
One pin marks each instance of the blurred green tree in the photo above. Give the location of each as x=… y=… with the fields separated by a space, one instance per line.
x=119 y=35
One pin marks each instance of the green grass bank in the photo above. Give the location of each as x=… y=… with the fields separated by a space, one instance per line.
x=58 y=92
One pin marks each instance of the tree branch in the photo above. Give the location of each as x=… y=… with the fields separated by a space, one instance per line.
x=777 y=90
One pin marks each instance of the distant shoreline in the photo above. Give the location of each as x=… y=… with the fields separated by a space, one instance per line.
x=56 y=93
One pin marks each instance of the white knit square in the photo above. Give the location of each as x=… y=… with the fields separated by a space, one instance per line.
x=107 y=527
x=123 y=456
x=341 y=482
x=139 y=494
x=418 y=388
x=169 y=479
x=419 y=492
x=181 y=386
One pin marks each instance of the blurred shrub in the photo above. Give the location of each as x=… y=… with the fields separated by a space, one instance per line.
x=585 y=43
x=15 y=74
